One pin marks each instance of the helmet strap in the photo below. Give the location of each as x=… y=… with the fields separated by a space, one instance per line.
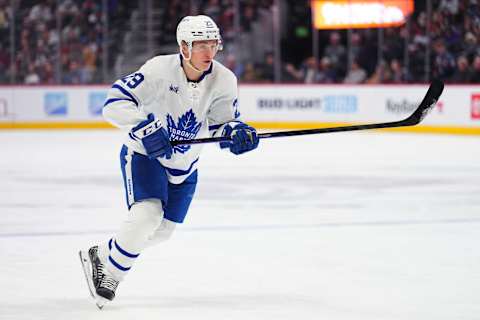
x=189 y=63
x=187 y=60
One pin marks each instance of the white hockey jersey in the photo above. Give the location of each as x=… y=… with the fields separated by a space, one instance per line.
x=186 y=109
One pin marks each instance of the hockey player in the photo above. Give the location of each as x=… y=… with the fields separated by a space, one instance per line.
x=171 y=97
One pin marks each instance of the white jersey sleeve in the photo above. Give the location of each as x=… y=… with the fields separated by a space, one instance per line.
x=126 y=98
x=225 y=106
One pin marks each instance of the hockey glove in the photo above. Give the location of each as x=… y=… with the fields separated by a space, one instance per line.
x=244 y=138
x=154 y=138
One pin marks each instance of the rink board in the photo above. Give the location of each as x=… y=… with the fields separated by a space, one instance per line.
x=265 y=106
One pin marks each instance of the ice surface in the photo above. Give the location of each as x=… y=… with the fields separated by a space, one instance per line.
x=336 y=226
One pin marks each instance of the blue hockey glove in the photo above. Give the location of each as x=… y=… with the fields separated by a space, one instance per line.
x=154 y=138
x=244 y=137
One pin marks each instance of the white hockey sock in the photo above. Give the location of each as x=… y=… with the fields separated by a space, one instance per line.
x=104 y=250
x=163 y=233
x=143 y=219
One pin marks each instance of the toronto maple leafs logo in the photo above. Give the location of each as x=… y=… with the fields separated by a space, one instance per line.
x=186 y=129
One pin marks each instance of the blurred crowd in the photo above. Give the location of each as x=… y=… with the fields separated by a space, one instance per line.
x=452 y=41
x=221 y=11
x=5 y=18
x=61 y=41
x=55 y=41
x=39 y=39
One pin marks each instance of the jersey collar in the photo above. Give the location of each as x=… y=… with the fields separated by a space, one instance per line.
x=204 y=74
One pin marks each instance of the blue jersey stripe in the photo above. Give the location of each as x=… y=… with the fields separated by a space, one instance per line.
x=133 y=137
x=124 y=252
x=214 y=127
x=125 y=92
x=115 y=100
x=117 y=265
x=178 y=172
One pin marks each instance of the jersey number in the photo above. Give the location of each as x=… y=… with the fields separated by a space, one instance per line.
x=133 y=80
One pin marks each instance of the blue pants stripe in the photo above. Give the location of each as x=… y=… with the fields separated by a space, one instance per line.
x=147 y=179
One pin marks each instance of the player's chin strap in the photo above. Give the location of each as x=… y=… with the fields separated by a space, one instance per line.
x=189 y=63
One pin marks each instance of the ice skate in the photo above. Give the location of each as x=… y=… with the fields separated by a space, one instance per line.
x=101 y=285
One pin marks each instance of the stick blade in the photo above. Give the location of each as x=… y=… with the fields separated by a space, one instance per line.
x=431 y=98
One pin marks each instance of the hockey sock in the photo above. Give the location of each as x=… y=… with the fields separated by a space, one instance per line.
x=163 y=233
x=143 y=219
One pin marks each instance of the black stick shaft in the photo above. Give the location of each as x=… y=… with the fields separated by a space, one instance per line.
x=296 y=133
x=428 y=102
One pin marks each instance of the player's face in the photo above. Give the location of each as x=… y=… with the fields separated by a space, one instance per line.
x=203 y=53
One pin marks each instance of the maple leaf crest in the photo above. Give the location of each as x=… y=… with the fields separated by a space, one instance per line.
x=186 y=128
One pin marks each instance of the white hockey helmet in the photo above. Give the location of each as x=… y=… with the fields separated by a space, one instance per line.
x=197 y=28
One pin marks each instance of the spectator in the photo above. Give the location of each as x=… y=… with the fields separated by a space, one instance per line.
x=46 y=73
x=176 y=9
x=398 y=74
x=226 y=22
x=4 y=64
x=336 y=52
x=444 y=62
x=213 y=9
x=326 y=74
x=5 y=16
x=376 y=77
x=356 y=74
x=250 y=74
x=463 y=74
x=362 y=51
x=449 y=6
x=392 y=44
x=73 y=75
x=32 y=77
x=476 y=70
x=232 y=64
x=4 y=57
x=470 y=46
x=247 y=18
x=308 y=72
x=416 y=53
x=41 y=12
x=266 y=70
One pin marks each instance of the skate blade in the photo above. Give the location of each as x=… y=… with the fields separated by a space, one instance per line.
x=101 y=302
x=87 y=271
x=86 y=266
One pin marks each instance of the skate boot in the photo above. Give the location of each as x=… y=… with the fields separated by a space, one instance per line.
x=101 y=284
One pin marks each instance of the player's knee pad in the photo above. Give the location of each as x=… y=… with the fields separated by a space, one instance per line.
x=146 y=216
x=162 y=233
x=143 y=219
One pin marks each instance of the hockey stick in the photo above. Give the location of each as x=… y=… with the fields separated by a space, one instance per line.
x=428 y=102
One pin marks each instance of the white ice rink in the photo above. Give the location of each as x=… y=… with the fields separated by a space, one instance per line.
x=337 y=226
